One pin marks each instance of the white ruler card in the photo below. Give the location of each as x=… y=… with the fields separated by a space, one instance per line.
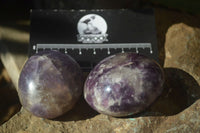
x=91 y=35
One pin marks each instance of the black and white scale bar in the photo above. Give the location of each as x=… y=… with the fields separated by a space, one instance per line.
x=94 y=46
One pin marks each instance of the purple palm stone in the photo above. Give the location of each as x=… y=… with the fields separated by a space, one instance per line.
x=50 y=83
x=123 y=84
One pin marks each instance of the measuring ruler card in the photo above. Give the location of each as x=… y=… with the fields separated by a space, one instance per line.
x=91 y=35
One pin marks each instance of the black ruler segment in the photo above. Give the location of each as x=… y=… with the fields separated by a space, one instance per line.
x=91 y=35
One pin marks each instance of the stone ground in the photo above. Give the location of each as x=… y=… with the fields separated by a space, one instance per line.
x=176 y=110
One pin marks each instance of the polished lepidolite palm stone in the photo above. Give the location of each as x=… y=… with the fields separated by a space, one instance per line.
x=50 y=83
x=123 y=84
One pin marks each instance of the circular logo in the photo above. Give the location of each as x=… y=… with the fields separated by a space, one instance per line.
x=92 y=24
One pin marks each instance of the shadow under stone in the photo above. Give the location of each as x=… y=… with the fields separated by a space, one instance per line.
x=180 y=91
x=81 y=111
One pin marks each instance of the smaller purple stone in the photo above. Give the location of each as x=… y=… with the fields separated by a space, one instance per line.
x=50 y=84
x=123 y=84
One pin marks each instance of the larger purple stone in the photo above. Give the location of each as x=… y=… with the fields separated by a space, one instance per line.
x=50 y=84
x=123 y=84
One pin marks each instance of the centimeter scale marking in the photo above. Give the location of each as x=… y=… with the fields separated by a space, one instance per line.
x=107 y=46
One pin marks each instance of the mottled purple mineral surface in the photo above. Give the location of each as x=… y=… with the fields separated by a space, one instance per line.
x=123 y=84
x=50 y=83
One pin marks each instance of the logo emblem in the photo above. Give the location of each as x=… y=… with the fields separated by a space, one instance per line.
x=92 y=28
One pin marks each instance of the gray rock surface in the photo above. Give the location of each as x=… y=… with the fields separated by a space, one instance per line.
x=184 y=122
x=182 y=48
